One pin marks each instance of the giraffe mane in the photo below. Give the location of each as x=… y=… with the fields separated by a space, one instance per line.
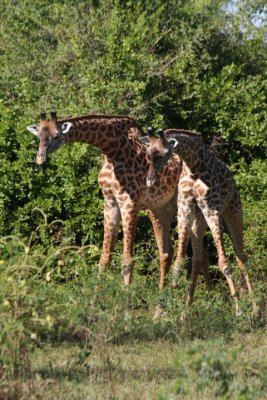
x=96 y=116
x=182 y=131
x=139 y=133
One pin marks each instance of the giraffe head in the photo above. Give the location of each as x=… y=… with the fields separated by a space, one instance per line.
x=184 y=143
x=158 y=153
x=51 y=134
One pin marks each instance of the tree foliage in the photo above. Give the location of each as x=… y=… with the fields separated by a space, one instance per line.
x=178 y=63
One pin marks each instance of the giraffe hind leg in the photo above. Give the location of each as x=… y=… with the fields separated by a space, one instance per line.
x=234 y=221
x=161 y=219
x=214 y=221
x=112 y=218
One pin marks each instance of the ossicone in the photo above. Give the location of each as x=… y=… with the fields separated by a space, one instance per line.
x=53 y=115
x=150 y=131
x=162 y=137
x=42 y=116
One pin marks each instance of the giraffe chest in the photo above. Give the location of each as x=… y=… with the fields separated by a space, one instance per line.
x=156 y=197
x=165 y=187
x=129 y=185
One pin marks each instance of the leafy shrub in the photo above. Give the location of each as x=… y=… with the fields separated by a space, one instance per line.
x=191 y=65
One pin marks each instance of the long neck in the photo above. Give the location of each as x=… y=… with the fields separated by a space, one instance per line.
x=193 y=152
x=109 y=133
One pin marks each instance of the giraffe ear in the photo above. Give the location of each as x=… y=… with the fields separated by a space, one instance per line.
x=144 y=140
x=173 y=142
x=66 y=127
x=33 y=129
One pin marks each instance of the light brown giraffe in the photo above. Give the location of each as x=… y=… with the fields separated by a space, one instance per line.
x=206 y=185
x=122 y=180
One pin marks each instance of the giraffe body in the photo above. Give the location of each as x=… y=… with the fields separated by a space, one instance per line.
x=122 y=180
x=206 y=188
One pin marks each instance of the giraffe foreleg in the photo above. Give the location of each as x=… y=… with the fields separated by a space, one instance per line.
x=161 y=219
x=185 y=220
x=129 y=212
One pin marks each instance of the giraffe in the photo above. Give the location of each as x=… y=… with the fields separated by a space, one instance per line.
x=206 y=186
x=157 y=155
x=122 y=180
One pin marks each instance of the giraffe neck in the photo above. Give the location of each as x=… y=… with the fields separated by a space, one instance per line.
x=192 y=150
x=109 y=133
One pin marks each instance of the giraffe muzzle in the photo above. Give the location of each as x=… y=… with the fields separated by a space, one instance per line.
x=150 y=179
x=41 y=157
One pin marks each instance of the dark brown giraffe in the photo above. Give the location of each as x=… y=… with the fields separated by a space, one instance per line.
x=206 y=185
x=157 y=155
x=122 y=180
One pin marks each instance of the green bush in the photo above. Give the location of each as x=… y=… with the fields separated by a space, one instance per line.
x=189 y=65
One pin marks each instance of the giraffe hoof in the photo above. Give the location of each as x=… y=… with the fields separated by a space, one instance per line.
x=101 y=269
x=127 y=271
x=174 y=284
x=159 y=313
x=127 y=315
x=184 y=316
x=256 y=311
x=238 y=312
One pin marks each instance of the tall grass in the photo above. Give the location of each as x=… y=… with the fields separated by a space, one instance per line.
x=50 y=293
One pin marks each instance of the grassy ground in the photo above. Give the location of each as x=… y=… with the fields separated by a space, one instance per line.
x=162 y=369
x=65 y=333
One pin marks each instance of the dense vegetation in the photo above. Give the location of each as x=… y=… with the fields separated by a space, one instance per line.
x=171 y=64
x=176 y=63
